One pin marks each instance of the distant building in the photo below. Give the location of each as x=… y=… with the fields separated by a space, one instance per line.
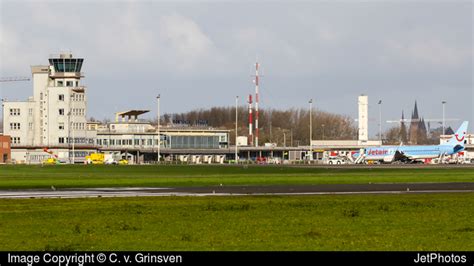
x=57 y=110
x=5 y=151
x=54 y=117
x=435 y=133
x=130 y=137
x=417 y=134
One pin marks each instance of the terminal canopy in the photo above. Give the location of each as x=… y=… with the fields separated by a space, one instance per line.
x=130 y=114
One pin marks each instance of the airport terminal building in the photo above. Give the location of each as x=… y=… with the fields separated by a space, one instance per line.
x=53 y=123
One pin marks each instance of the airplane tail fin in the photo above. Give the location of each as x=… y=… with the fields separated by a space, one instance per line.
x=459 y=138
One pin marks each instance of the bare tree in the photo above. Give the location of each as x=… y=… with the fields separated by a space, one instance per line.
x=273 y=123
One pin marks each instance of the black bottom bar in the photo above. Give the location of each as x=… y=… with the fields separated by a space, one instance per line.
x=84 y=258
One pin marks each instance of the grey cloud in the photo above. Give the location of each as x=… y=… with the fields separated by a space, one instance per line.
x=205 y=51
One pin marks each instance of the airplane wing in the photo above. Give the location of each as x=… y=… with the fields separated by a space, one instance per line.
x=396 y=156
x=401 y=156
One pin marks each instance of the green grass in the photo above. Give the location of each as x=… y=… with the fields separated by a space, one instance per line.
x=357 y=222
x=61 y=176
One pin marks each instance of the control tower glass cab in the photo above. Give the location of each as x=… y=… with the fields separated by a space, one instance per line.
x=65 y=66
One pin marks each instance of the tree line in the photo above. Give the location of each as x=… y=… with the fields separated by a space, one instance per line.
x=283 y=127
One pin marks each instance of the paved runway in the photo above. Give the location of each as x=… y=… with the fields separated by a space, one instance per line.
x=338 y=189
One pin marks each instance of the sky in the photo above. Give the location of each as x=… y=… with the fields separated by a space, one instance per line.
x=198 y=54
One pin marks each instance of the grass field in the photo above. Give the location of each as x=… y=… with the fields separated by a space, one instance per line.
x=357 y=222
x=62 y=176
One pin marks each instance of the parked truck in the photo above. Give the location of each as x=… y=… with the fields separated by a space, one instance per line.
x=95 y=158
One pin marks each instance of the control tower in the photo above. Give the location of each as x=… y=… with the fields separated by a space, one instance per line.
x=55 y=116
x=66 y=66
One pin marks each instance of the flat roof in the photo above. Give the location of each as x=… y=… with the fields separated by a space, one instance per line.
x=39 y=69
x=191 y=129
x=133 y=112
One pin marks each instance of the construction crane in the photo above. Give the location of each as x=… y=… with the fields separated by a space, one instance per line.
x=12 y=79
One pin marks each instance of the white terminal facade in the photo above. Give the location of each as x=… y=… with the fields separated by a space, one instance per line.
x=53 y=122
x=56 y=113
x=55 y=116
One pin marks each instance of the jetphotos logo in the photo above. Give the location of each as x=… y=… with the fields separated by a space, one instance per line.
x=460 y=139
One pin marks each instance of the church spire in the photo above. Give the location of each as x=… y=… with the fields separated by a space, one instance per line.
x=415 y=112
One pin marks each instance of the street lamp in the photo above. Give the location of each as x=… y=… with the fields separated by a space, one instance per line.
x=236 y=120
x=291 y=137
x=72 y=157
x=323 y=130
x=444 y=125
x=158 y=129
x=380 y=121
x=311 y=128
x=3 y=114
x=73 y=143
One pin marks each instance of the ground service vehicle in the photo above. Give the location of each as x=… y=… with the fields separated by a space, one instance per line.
x=95 y=158
x=51 y=161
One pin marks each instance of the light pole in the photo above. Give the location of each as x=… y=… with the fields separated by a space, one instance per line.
x=323 y=130
x=3 y=114
x=444 y=125
x=69 y=124
x=158 y=129
x=291 y=137
x=71 y=140
x=380 y=121
x=73 y=143
x=71 y=127
x=236 y=121
x=310 y=128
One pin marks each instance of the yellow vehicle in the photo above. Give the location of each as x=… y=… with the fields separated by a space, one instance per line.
x=95 y=158
x=123 y=162
x=51 y=161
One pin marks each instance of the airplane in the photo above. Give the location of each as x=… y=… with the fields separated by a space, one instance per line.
x=388 y=154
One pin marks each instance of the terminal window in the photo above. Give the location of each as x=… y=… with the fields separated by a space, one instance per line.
x=66 y=64
x=203 y=142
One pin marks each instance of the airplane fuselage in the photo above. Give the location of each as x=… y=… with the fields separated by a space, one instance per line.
x=411 y=153
x=387 y=153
